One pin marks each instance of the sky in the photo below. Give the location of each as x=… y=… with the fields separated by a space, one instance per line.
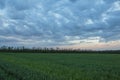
x=83 y=24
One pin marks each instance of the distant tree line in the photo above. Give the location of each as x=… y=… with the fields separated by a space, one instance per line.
x=53 y=50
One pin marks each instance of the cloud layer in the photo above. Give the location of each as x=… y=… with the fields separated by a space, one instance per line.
x=58 y=22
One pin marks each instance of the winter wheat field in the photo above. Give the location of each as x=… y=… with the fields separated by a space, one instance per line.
x=31 y=66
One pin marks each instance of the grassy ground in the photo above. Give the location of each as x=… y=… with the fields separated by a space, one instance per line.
x=23 y=66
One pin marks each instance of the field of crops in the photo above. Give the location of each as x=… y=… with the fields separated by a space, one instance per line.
x=28 y=66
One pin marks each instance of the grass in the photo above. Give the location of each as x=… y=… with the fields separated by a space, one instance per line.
x=23 y=66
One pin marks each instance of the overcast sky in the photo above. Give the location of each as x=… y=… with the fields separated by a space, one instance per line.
x=86 y=24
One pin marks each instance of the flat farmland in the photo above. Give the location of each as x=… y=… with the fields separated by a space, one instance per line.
x=33 y=66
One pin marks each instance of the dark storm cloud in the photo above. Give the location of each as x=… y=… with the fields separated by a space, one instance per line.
x=50 y=22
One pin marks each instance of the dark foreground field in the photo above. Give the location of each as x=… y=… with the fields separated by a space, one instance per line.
x=21 y=66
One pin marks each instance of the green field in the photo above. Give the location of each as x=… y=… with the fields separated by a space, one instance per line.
x=28 y=66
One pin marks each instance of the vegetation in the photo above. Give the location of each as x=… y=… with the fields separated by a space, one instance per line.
x=32 y=66
x=53 y=50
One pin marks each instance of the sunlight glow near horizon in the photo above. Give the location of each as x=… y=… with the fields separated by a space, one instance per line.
x=80 y=24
